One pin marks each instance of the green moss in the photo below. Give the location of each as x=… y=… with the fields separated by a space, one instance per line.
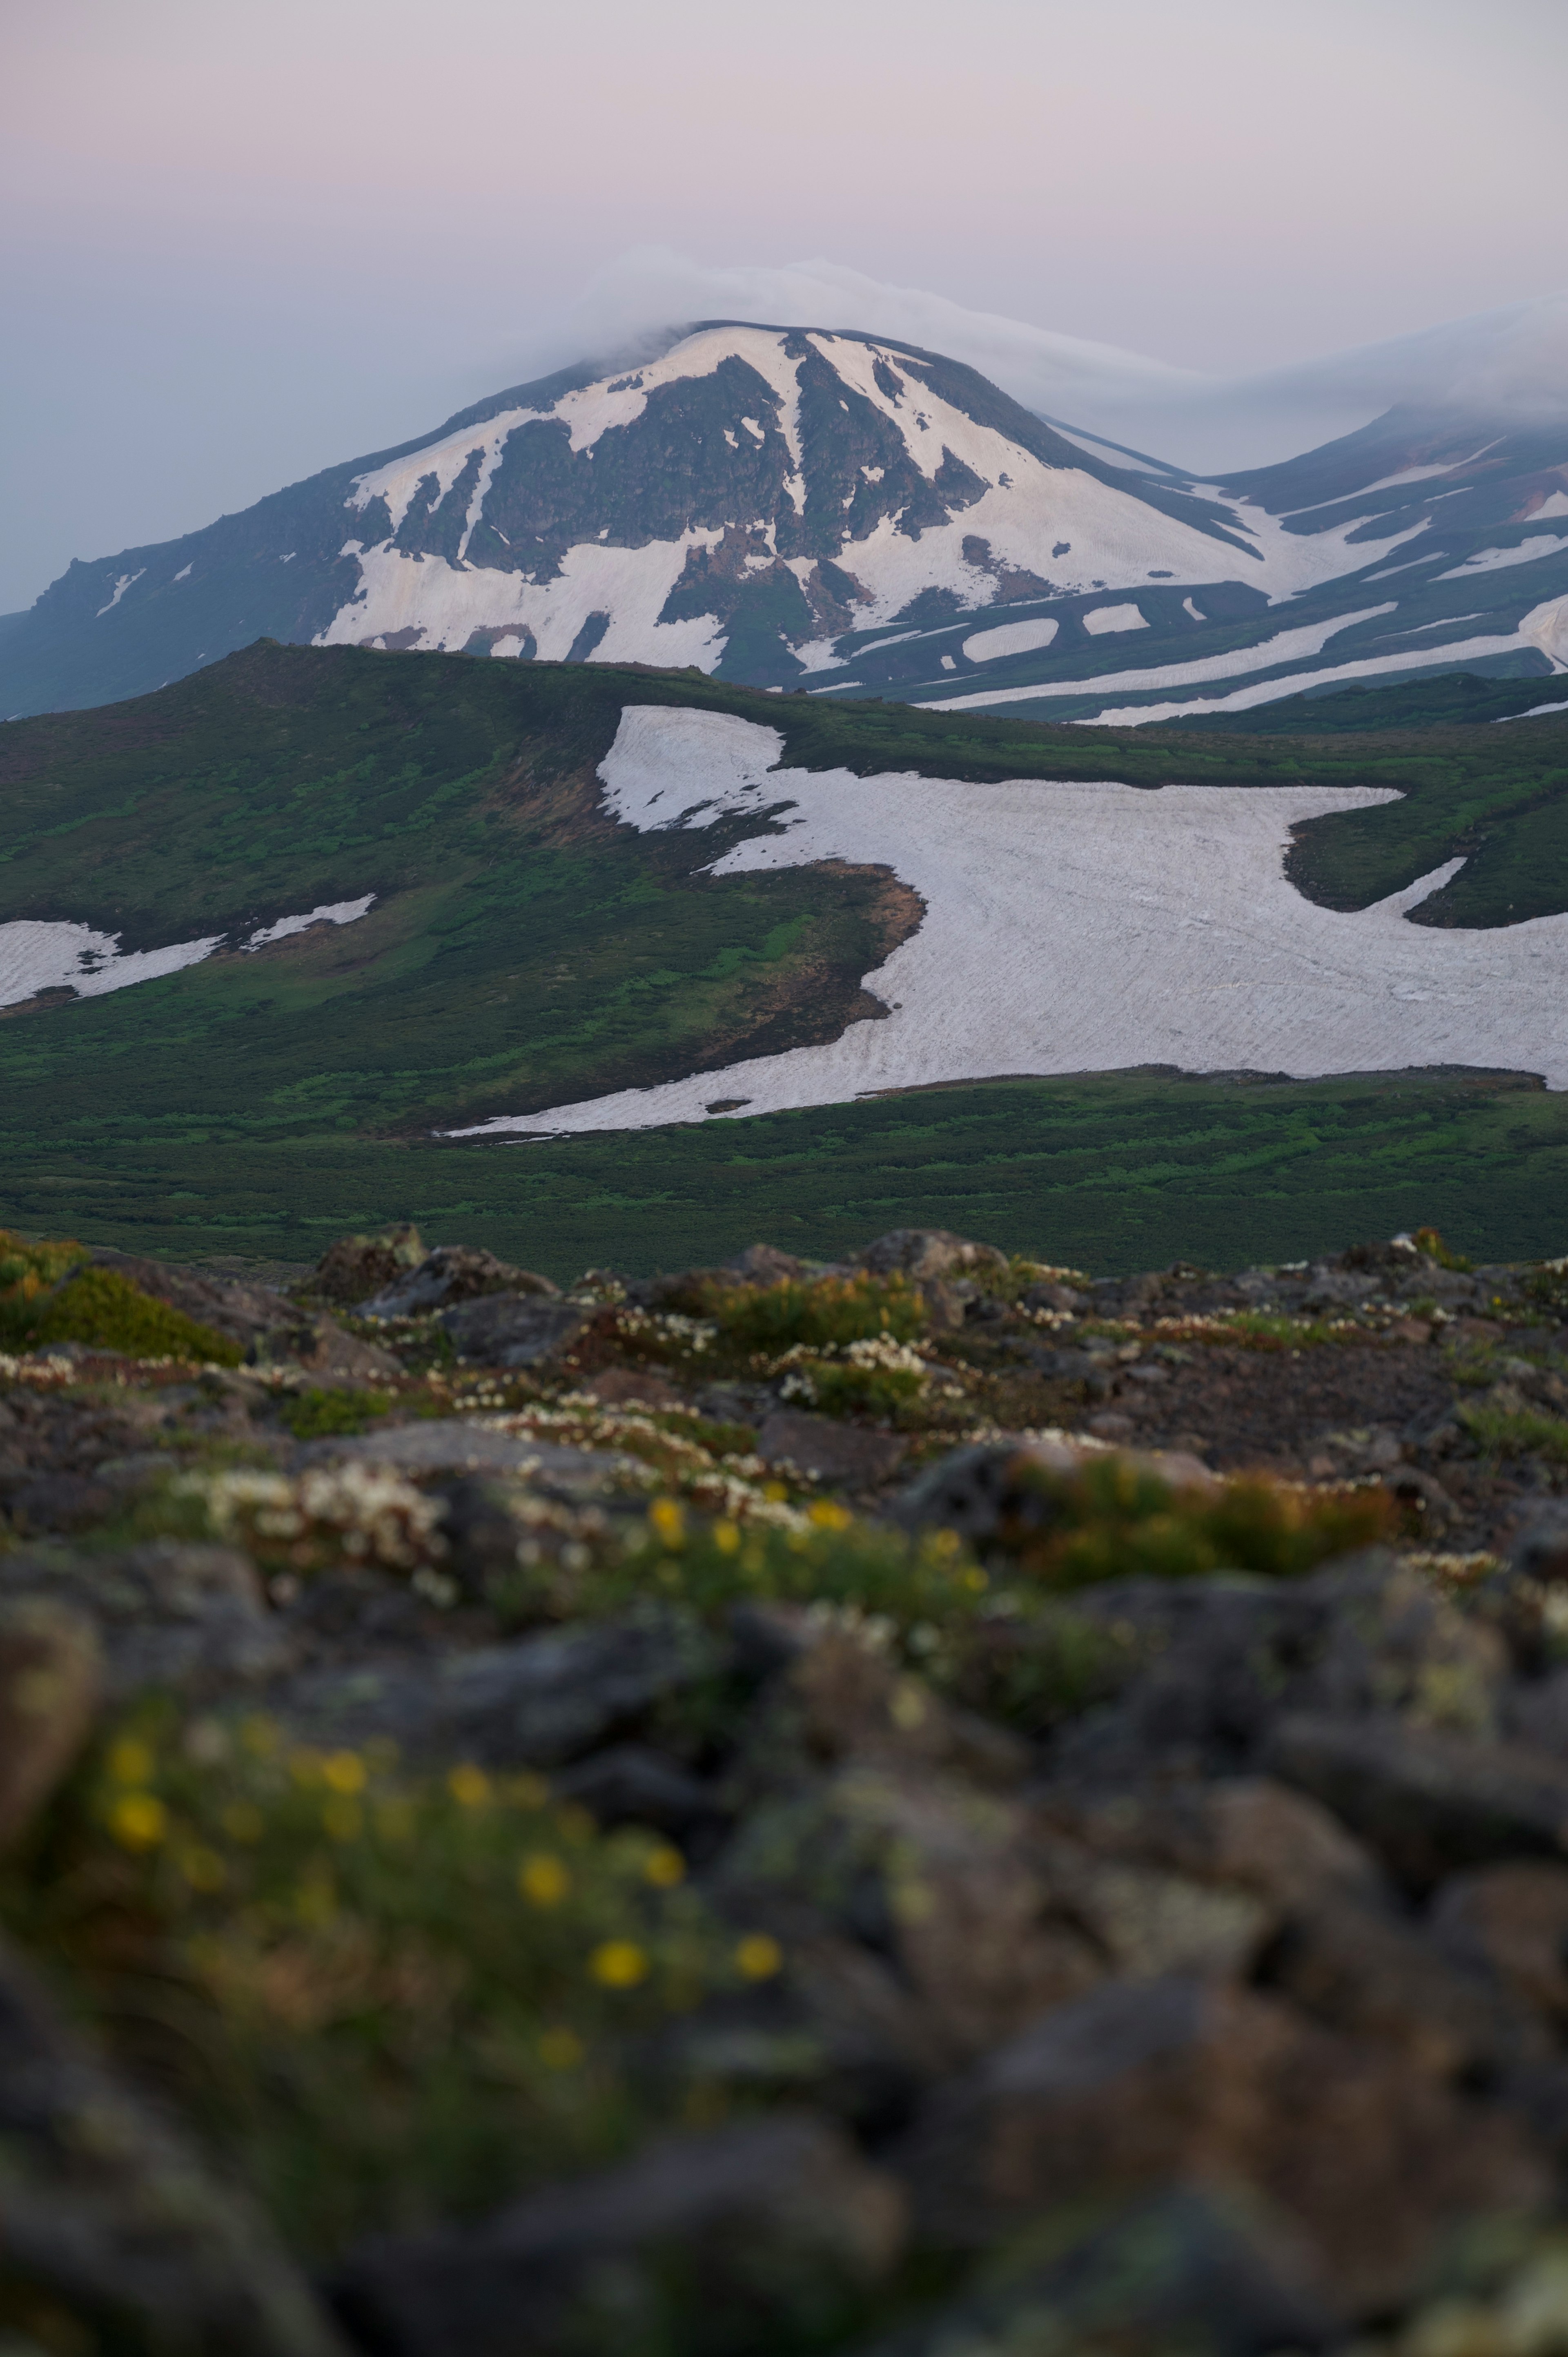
x=1517 y=1431
x=813 y=1315
x=317 y=1414
x=105 y=1311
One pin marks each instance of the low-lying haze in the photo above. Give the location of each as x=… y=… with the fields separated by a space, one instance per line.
x=246 y=243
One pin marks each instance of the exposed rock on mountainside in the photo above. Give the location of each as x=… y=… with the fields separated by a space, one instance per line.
x=928 y=1800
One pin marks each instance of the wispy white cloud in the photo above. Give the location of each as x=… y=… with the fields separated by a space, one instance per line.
x=1512 y=362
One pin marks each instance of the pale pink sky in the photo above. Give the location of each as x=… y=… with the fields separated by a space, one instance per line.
x=245 y=238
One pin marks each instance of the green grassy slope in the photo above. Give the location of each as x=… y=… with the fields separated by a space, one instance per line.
x=1112 y=1173
x=523 y=950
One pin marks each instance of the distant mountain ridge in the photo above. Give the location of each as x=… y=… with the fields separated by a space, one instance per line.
x=792 y=507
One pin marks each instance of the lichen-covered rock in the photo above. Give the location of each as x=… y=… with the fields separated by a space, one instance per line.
x=191 y=1618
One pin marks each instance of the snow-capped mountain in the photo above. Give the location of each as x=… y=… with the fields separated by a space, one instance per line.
x=851 y=515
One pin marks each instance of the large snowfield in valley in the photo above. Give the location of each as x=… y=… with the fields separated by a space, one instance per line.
x=1079 y=929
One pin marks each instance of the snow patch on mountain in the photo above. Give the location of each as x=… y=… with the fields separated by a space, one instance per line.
x=1080 y=928
x=1106 y=618
x=59 y=955
x=1006 y=639
x=446 y=604
x=1489 y=560
x=1286 y=646
x=1544 y=628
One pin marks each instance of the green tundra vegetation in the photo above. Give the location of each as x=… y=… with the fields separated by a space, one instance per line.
x=522 y=949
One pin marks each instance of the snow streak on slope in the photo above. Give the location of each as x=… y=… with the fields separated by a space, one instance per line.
x=1073 y=928
x=1544 y=629
x=1286 y=646
x=64 y=956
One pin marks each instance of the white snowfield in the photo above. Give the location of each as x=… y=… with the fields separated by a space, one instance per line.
x=988 y=646
x=1114 y=618
x=1081 y=928
x=1115 y=540
x=58 y=955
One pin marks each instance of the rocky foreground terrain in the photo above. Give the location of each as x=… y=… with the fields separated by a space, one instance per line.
x=935 y=1807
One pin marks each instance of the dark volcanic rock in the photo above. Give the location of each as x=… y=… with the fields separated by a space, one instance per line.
x=1227 y=1657
x=761 y=2230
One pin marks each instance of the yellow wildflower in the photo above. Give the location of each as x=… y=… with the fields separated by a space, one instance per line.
x=829 y=1516
x=468 y=1785
x=543 y=1878
x=759 y=1957
x=726 y=1537
x=138 y=1821
x=669 y=1520
x=665 y=1867
x=618 y=1965
x=344 y=1771
x=560 y=2050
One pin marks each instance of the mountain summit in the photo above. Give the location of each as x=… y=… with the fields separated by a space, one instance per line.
x=782 y=505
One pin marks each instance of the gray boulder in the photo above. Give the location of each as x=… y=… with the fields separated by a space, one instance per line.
x=188 y=1618
x=1179 y=2080
x=512 y=1329
x=921 y=1253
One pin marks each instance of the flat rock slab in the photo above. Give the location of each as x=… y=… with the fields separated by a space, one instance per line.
x=535 y=1703
x=454 y=1445
x=834 y=1452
